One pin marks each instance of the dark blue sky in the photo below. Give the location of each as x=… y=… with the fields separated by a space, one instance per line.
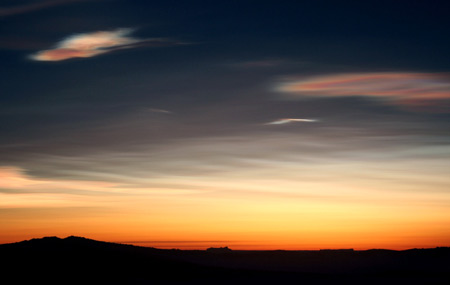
x=215 y=68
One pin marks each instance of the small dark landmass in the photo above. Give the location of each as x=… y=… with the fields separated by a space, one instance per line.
x=219 y=249
x=76 y=260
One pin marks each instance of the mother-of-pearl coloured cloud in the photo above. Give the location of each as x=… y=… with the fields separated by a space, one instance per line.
x=402 y=88
x=93 y=44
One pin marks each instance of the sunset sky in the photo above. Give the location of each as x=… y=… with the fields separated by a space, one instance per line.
x=248 y=124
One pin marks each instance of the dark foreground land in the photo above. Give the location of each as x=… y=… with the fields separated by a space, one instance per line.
x=76 y=260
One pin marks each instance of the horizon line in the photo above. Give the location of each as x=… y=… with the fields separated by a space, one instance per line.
x=220 y=246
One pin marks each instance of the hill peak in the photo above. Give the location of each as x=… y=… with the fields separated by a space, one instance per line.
x=55 y=238
x=73 y=238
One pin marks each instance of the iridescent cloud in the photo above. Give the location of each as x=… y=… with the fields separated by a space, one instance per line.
x=402 y=88
x=93 y=44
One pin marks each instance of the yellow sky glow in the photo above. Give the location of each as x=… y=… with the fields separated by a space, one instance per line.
x=334 y=211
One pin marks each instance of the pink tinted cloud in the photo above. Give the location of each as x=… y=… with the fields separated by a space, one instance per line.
x=89 y=45
x=397 y=87
x=62 y=54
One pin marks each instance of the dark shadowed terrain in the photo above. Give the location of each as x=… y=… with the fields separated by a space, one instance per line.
x=76 y=260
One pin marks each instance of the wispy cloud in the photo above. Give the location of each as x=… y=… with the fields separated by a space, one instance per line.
x=18 y=189
x=155 y=110
x=401 y=88
x=27 y=8
x=95 y=43
x=263 y=63
x=291 y=120
x=15 y=179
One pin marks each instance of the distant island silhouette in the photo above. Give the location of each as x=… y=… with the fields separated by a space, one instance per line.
x=78 y=260
x=219 y=249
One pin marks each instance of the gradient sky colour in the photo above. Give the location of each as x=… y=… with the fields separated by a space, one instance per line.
x=249 y=124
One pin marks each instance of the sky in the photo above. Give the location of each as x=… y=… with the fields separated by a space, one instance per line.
x=249 y=124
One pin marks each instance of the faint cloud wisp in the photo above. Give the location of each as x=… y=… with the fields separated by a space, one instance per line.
x=27 y=8
x=16 y=178
x=19 y=189
x=155 y=110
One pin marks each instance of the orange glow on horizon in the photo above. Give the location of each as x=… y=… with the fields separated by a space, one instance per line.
x=340 y=206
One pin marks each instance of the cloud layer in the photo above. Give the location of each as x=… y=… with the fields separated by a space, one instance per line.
x=403 y=88
x=92 y=44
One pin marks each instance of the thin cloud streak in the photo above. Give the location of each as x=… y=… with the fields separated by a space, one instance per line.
x=14 y=180
x=289 y=120
x=23 y=9
x=400 y=88
x=95 y=43
x=155 y=110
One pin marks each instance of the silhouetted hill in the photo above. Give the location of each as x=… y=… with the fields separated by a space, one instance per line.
x=77 y=260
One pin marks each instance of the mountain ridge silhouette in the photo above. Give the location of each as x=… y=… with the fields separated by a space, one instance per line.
x=75 y=260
